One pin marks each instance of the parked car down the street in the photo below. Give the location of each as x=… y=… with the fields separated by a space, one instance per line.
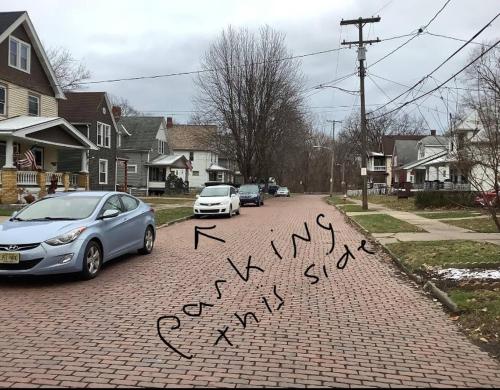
x=282 y=191
x=251 y=193
x=217 y=200
x=489 y=198
x=75 y=232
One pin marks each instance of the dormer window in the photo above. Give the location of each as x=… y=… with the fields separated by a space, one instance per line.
x=161 y=146
x=19 y=54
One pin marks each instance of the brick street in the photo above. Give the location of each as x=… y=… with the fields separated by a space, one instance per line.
x=365 y=324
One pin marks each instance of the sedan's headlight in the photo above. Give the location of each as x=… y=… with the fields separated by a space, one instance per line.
x=66 y=238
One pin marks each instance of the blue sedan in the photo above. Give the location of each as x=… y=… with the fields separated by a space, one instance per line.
x=75 y=232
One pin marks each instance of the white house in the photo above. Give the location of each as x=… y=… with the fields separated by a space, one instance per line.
x=194 y=142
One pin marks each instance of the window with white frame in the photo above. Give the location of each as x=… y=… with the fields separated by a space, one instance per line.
x=161 y=146
x=103 y=171
x=103 y=135
x=3 y=100
x=33 y=105
x=19 y=54
x=132 y=168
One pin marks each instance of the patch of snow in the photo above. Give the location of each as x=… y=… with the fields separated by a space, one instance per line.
x=458 y=274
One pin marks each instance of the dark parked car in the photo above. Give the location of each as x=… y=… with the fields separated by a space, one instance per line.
x=272 y=189
x=251 y=193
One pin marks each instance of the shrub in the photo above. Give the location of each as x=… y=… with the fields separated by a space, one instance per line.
x=446 y=199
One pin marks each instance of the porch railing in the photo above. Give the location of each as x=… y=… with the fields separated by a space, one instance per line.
x=59 y=175
x=379 y=168
x=25 y=178
x=73 y=180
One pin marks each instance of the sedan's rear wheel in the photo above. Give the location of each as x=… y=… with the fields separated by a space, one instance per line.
x=92 y=260
x=149 y=240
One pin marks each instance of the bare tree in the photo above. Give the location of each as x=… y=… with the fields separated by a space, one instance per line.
x=124 y=104
x=69 y=72
x=252 y=93
x=392 y=124
x=477 y=138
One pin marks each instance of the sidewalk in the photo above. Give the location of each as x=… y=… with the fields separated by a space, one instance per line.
x=435 y=229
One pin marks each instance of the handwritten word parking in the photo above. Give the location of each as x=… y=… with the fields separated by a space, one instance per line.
x=273 y=303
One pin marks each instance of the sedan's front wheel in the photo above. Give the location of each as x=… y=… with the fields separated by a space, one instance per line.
x=149 y=240
x=92 y=260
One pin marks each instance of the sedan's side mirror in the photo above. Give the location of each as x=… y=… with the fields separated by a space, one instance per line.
x=110 y=214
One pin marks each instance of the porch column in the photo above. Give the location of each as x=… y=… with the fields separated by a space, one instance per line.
x=9 y=186
x=85 y=167
x=9 y=153
x=65 y=179
x=42 y=183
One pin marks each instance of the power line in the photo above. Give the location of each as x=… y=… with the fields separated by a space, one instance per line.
x=455 y=39
x=439 y=86
x=440 y=65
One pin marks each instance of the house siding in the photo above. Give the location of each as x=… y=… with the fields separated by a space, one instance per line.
x=139 y=179
x=201 y=162
x=91 y=114
x=36 y=80
x=17 y=101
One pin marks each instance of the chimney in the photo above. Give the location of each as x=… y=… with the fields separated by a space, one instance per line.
x=433 y=132
x=117 y=112
x=170 y=122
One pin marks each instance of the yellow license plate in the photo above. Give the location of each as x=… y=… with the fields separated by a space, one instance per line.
x=9 y=258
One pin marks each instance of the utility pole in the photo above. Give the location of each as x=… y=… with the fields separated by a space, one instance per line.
x=360 y=22
x=333 y=154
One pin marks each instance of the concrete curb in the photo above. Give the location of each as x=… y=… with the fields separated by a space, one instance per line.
x=175 y=221
x=441 y=296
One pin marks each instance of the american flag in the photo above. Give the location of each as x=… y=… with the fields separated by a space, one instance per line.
x=29 y=161
x=190 y=166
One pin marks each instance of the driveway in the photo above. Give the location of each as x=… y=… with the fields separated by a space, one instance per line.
x=354 y=322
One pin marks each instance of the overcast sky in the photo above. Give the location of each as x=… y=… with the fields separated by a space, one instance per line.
x=118 y=39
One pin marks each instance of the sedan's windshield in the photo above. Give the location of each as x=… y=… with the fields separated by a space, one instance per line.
x=249 y=189
x=214 y=191
x=283 y=189
x=59 y=208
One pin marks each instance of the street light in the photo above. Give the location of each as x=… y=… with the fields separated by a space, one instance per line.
x=331 y=169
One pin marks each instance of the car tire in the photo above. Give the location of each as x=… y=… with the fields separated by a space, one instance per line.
x=258 y=203
x=197 y=216
x=238 y=211
x=230 y=214
x=92 y=260
x=149 y=241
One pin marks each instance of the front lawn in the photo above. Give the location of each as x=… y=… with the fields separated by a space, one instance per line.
x=167 y=200
x=383 y=223
x=338 y=200
x=480 y=225
x=480 y=318
x=169 y=215
x=392 y=202
x=446 y=254
x=6 y=212
x=449 y=214
x=351 y=208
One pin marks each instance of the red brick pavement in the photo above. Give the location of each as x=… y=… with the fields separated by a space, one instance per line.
x=364 y=325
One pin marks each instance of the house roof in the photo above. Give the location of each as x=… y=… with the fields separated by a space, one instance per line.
x=191 y=137
x=423 y=161
x=8 y=18
x=406 y=150
x=389 y=140
x=180 y=162
x=217 y=168
x=9 y=21
x=142 y=130
x=23 y=126
x=82 y=106
x=439 y=140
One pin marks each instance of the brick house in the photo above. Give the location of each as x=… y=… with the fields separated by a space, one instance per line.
x=29 y=121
